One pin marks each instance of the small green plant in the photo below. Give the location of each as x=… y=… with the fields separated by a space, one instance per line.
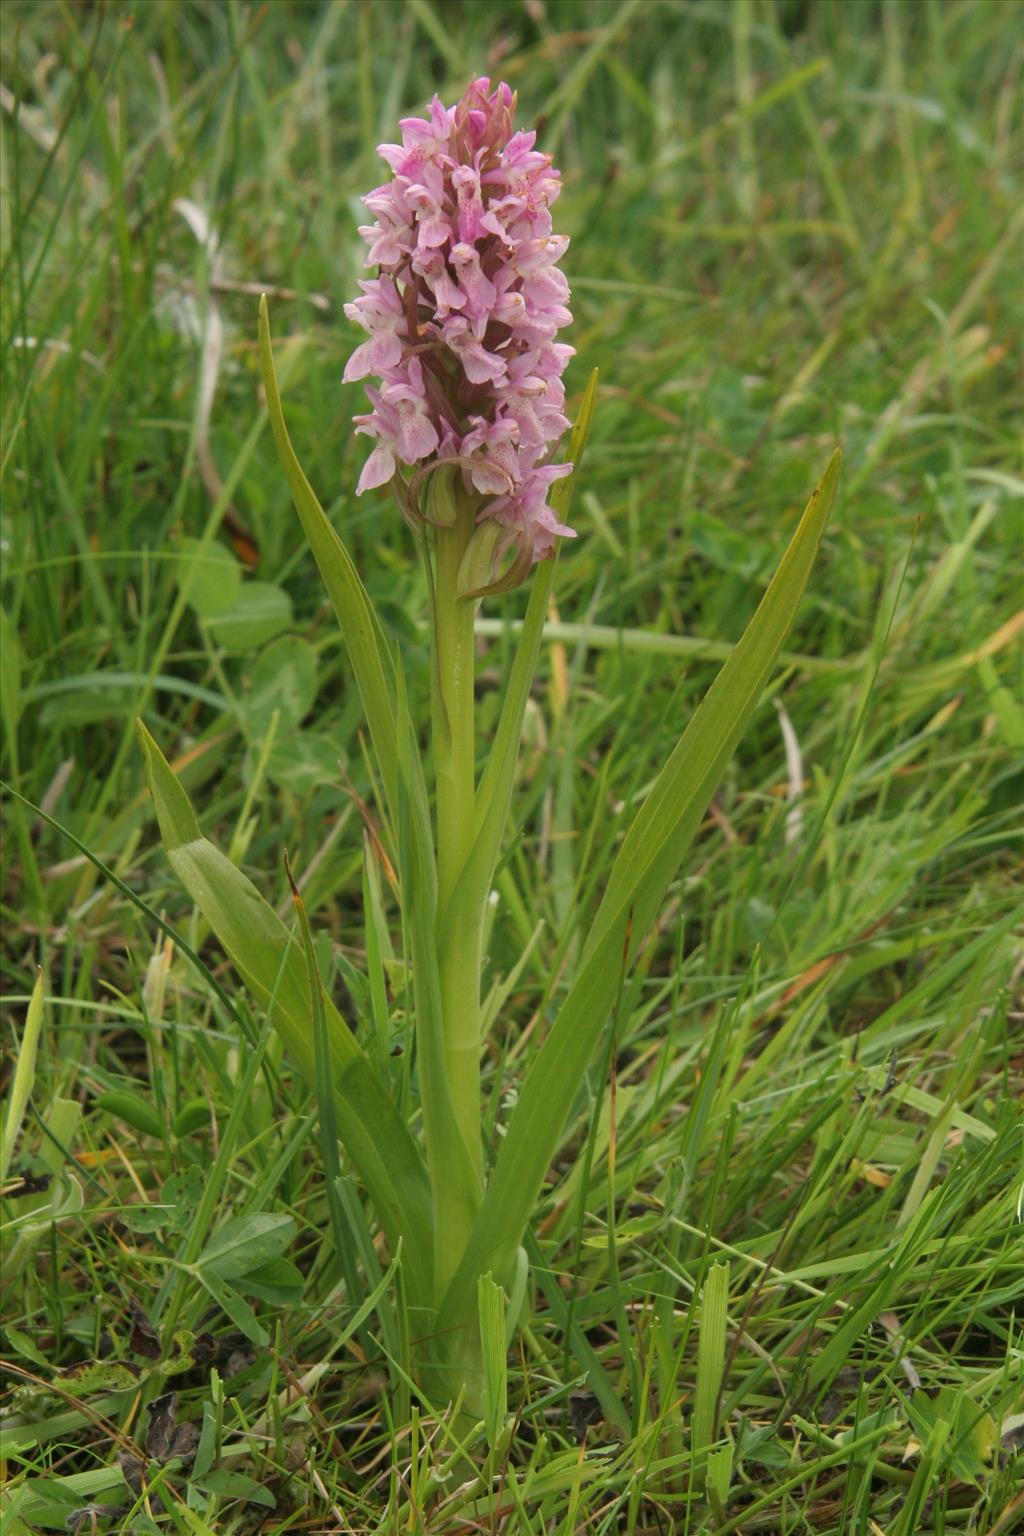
x=462 y=321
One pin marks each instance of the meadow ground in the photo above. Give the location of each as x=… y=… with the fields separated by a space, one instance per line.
x=789 y=1300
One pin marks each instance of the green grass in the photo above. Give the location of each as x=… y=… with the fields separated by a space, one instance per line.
x=778 y=1285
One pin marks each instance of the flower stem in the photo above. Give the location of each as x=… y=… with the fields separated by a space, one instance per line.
x=454 y=744
x=455 y=768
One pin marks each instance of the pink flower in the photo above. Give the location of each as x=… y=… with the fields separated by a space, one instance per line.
x=432 y=267
x=427 y=197
x=497 y=468
x=537 y=408
x=526 y=513
x=401 y=423
x=380 y=312
x=473 y=221
x=422 y=140
x=479 y=365
x=463 y=317
x=481 y=294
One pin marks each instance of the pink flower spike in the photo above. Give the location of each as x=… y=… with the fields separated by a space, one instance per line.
x=463 y=314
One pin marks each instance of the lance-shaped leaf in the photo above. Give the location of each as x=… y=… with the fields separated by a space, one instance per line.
x=261 y=949
x=647 y=861
x=367 y=647
x=670 y=816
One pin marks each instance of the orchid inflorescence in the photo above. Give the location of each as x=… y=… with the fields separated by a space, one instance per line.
x=463 y=316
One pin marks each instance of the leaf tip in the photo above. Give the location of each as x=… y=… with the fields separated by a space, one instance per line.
x=146 y=741
x=296 y=897
x=820 y=504
x=263 y=330
x=174 y=814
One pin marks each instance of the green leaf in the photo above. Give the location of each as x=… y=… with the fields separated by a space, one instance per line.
x=647 y=861
x=327 y=1127
x=235 y=1485
x=192 y=1116
x=972 y=1431
x=304 y=760
x=99 y=1376
x=263 y=952
x=20 y=1344
x=279 y=1281
x=10 y=675
x=24 y=1076
x=62 y=1121
x=246 y=1243
x=491 y=1305
x=671 y=815
x=211 y=575
x=259 y=612
x=710 y=1359
x=239 y=1311
x=371 y=661
x=283 y=678
x=719 y=1473
x=182 y=1192
x=47 y=1502
x=761 y=1447
x=133 y=1109
x=144 y=1218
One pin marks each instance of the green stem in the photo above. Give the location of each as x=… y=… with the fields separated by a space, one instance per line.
x=455 y=767
x=454 y=745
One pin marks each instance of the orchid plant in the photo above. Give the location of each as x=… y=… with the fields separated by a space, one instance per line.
x=462 y=317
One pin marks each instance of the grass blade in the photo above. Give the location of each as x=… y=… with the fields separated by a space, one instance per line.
x=491 y=1306
x=710 y=1360
x=24 y=1076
